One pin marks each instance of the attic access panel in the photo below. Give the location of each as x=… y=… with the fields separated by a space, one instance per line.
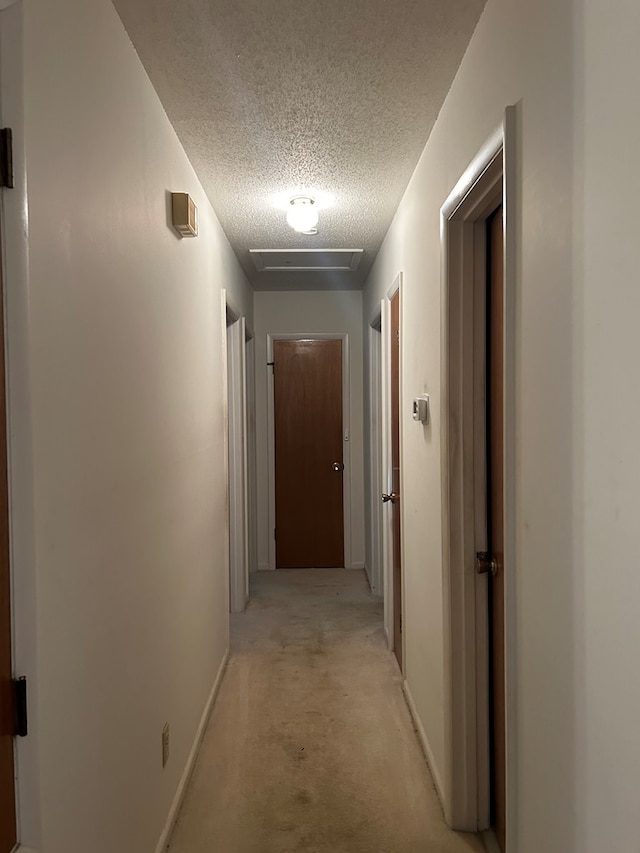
x=306 y=260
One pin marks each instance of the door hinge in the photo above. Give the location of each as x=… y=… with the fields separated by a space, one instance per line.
x=401 y=623
x=272 y=364
x=21 y=727
x=6 y=158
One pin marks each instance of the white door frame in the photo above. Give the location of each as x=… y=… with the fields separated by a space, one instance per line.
x=375 y=567
x=346 y=434
x=387 y=465
x=488 y=180
x=15 y=227
x=252 y=511
x=236 y=429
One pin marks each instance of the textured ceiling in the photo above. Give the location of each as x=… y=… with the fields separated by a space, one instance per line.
x=273 y=96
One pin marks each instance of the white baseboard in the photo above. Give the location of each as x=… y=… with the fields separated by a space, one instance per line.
x=373 y=591
x=359 y=565
x=191 y=760
x=424 y=742
x=264 y=567
x=490 y=842
x=21 y=849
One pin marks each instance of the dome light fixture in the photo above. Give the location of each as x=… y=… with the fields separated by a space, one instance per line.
x=302 y=214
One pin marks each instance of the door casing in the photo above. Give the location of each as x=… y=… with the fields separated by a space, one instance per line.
x=252 y=517
x=488 y=180
x=346 y=435
x=8 y=801
x=387 y=523
x=235 y=374
x=15 y=228
x=375 y=568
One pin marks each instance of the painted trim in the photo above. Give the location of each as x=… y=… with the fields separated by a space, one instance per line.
x=238 y=506
x=346 y=435
x=191 y=760
x=375 y=570
x=510 y=201
x=387 y=473
x=490 y=842
x=21 y=849
x=490 y=176
x=386 y=554
x=473 y=173
x=15 y=236
x=244 y=449
x=225 y=439
x=424 y=740
x=359 y=566
x=264 y=567
x=232 y=310
x=252 y=485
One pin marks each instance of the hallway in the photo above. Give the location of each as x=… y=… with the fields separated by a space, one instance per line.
x=310 y=745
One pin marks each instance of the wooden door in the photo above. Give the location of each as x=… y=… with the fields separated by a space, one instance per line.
x=308 y=454
x=395 y=476
x=7 y=788
x=495 y=517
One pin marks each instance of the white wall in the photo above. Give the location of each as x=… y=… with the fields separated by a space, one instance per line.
x=124 y=337
x=315 y=311
x=124 y=340
x=523 y=53
x=607 y=405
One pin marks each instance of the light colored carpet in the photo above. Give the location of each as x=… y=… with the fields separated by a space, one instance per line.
x=310 y=746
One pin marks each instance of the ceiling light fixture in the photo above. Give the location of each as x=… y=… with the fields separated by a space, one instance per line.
x=302 y=215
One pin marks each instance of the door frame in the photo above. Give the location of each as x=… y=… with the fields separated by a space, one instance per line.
x=15 y=228
x=375 y=568
x=346 y=435
x=8 y=809
x=489 y=177
x=235 y=374
x=252 y=515
x=387 y=472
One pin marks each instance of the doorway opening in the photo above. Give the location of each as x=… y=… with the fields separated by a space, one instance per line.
x=478 y=493
x=236 y=352
x=375 y=559
x=390 y=494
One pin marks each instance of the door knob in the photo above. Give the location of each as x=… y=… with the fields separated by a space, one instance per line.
x=486 y=563
x=393 y=497
x=338 y=466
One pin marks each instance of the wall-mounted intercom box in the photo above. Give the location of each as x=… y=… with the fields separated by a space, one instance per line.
x=185 y=214
x=421 y=408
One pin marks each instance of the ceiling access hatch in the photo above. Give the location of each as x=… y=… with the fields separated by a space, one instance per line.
x=306 y=260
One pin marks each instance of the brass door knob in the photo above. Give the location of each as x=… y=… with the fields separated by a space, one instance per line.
x=486 y=563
